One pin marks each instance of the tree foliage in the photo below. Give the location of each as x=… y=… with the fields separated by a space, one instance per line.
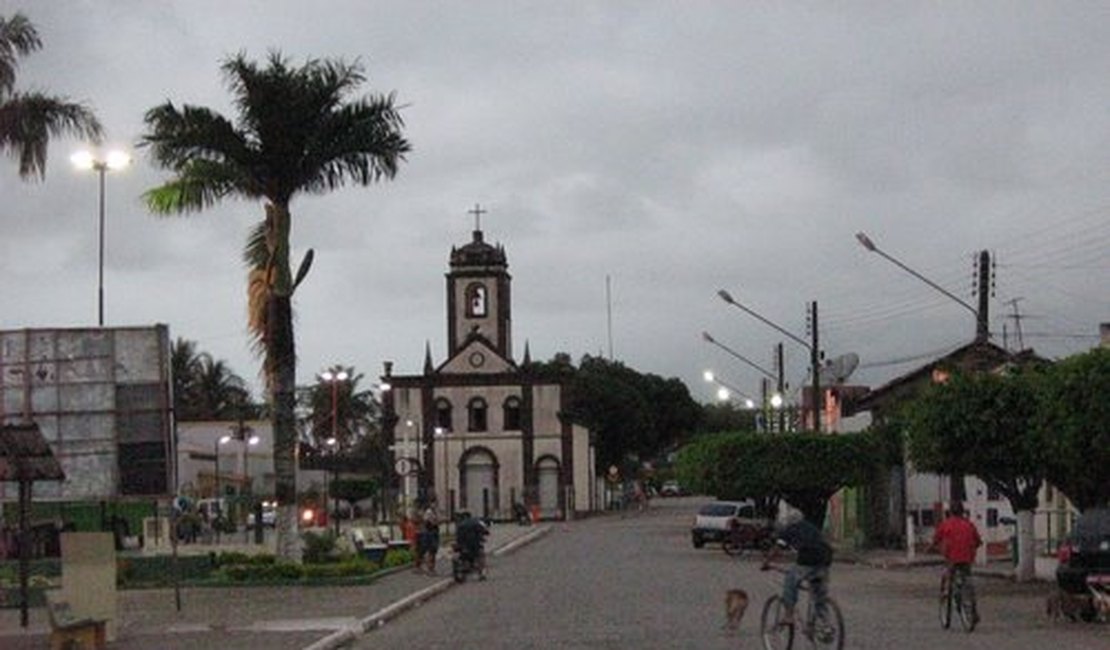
x=29 y=119
x=1074 y=417
x=981 y=424
x=634 y=416
x=804 y=469
x=205 y=388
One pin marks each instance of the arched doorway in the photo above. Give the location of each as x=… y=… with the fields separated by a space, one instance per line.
x=547 y=479
x=479 y=484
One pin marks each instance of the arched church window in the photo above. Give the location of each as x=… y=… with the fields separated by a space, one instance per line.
x=512 y=414
x=477 y=302
x=477 y=414
x=443 y=413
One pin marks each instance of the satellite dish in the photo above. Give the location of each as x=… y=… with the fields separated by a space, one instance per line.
x=839 y=369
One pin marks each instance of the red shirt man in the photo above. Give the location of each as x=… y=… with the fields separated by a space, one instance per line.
x=957 y=537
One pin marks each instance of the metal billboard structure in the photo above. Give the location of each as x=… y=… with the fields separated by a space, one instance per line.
x=102 y=399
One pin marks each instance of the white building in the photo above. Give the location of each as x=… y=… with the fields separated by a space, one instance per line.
x=478 y=431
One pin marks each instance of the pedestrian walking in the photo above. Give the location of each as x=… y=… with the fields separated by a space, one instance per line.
x=431 y=531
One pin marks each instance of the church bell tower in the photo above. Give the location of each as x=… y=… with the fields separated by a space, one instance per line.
x=478 y=298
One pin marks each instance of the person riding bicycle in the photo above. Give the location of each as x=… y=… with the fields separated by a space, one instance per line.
x=470 y=536
x=958 y=539
x=814 y=556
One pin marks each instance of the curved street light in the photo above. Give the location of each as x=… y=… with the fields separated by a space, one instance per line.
x=814 y=351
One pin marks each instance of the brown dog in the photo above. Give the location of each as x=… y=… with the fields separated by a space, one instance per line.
x=736 y=602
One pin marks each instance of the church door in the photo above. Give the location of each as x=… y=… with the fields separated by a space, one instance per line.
x=547 y=474
x=481 y=497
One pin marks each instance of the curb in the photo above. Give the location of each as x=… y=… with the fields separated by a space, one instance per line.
x=341 y=638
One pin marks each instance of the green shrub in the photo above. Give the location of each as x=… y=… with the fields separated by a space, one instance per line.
x=397 y=557
x=157 y=570
x=262 y=572
x=319 y=547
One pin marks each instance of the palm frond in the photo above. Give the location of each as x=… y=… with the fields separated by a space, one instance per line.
x=28 y=121
x=198 y=185
x=362 y=142
x=18 y=37
x=176 y=137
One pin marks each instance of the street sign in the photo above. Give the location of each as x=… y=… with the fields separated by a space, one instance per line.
x=403 y=466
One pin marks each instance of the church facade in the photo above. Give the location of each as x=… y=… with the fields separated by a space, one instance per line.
x=478 y=431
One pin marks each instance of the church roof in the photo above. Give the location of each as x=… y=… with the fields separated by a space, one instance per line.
x=478 y=253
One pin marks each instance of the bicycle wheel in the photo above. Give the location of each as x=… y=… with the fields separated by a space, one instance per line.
x=946 y=606
x=731 y=547
x=775 y=636
x=965 y=605
x=826 y=627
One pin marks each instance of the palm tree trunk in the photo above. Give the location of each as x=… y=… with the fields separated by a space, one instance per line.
x=281 y=364
x=283 y=381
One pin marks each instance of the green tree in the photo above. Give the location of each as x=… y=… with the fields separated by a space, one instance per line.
x=205 y=388
x=983 y=424
x=297 y=132
x=726 y=416
x=634 y=416
x=1074 y=418
x=29 y=119
x=804 y=469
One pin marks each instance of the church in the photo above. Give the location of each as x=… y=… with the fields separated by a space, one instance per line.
x=478 y=431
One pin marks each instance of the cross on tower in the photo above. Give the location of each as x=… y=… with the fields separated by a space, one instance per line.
x=477 y=211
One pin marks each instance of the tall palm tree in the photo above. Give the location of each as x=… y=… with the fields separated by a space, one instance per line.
x=29 y=120
x=204 y=388
x=296 y=131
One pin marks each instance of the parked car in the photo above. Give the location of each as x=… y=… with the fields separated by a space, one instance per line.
x=671 y=489
x=1084 y=557
x=714 y=520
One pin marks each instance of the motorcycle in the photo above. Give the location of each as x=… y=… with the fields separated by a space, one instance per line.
x=748 y=536
x=520 y=515
x=463 y=563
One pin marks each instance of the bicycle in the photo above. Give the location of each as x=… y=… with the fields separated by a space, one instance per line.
x=823 y=624
x=957 y=593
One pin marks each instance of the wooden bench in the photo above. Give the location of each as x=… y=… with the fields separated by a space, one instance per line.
x=70 y=630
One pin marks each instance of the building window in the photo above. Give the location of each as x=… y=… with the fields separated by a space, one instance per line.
x=477 y=415
x=477 y=302
x=928 y=518
x=512 y=414
x=992 y=517
x=443 y=414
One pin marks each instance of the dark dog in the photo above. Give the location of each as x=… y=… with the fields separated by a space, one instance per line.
x=736 y=602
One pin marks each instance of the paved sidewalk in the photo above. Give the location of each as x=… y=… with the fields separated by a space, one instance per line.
x=1045 y=567
x=266 y=618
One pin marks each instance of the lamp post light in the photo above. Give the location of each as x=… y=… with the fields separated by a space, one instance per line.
x=814 y=350
x=441 y=433
x=779 y=378
x=333 y=377
x=725 y=390
x=114 y=160
x=224 y=439
x=981 y=326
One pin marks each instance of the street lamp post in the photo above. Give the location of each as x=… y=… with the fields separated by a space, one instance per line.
x=333 y=378
x=441 y=433
x=216 y=502
x=779 y=378
x=814 y=350
x=981 y=325
x=112 y=161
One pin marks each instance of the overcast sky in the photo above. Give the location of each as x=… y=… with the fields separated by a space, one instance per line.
x=675 y=147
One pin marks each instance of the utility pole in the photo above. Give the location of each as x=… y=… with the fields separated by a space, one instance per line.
x=815 y=365
x=781 y=386
x=982 y=317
